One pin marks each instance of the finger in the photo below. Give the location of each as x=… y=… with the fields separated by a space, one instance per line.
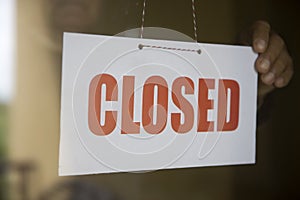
x=282 y=62
x=260 y=36
x=284 y=79
x=266 y=59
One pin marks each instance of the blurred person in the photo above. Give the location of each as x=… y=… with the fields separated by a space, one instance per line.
x=36 y=112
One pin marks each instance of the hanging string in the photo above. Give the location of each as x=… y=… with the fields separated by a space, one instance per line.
x=141 y=46
x=194 y=21
x=143 y=19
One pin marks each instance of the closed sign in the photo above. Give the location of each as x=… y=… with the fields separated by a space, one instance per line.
x=138 y=104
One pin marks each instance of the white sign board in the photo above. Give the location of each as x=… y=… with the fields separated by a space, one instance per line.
x=131 y=104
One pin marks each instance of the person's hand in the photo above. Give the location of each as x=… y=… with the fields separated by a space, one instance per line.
x=274 y=63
